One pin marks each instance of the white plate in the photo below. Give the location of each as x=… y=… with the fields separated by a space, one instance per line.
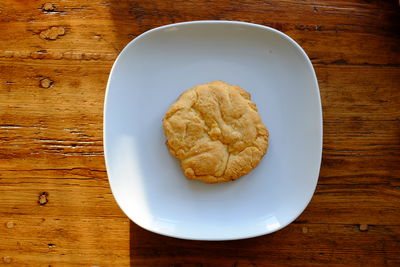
x=149 y=75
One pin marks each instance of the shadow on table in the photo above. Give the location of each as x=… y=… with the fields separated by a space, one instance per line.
x=150 y=249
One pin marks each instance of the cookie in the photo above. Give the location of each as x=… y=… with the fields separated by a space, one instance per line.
x=215 y=131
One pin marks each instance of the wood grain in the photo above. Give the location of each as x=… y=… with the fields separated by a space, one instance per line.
x=56 y=208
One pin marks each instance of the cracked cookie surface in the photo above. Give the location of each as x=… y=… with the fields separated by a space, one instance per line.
x=215 y=131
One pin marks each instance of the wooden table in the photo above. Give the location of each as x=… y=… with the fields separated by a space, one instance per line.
x=56 y=208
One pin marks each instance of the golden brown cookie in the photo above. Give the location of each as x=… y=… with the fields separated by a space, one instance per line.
x=214 y=129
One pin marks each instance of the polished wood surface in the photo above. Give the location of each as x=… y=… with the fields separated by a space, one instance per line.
x=56 y=207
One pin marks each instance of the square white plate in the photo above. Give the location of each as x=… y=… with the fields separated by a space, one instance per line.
x=149 y=75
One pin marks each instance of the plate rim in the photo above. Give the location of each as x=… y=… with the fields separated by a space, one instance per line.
x=231 y=22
